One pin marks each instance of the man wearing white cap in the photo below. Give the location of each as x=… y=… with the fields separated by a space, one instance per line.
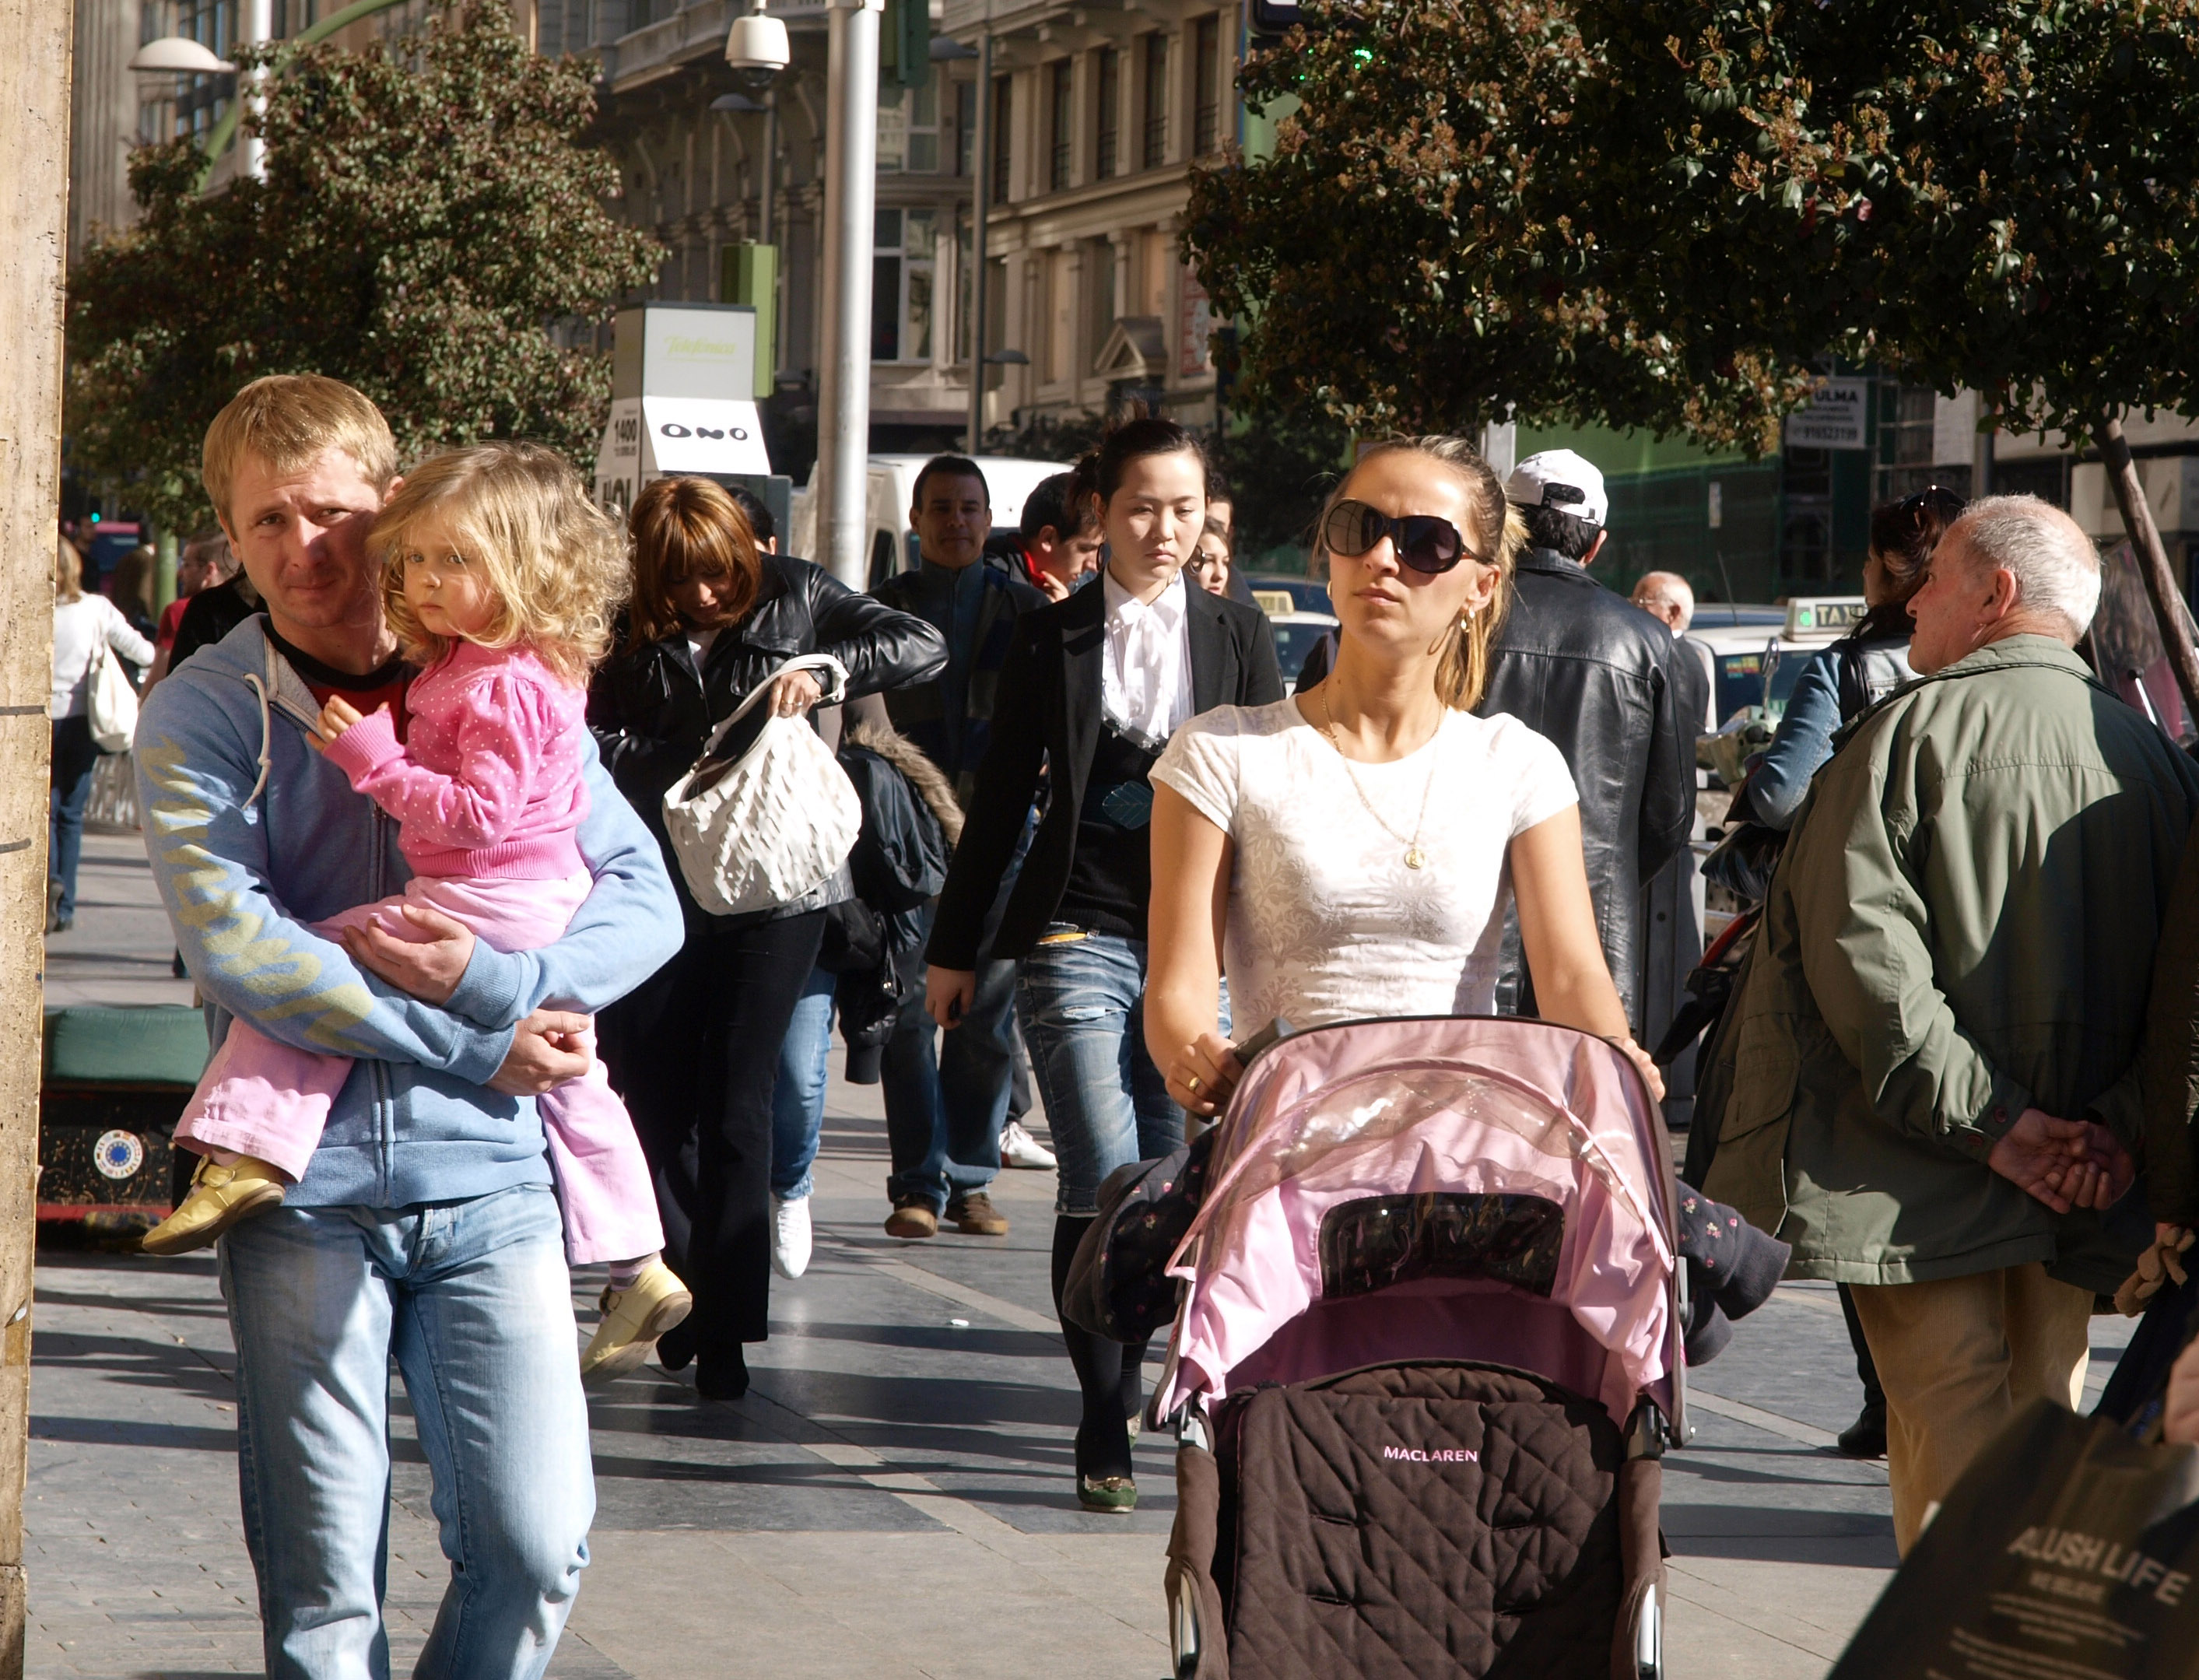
x=1592 y=672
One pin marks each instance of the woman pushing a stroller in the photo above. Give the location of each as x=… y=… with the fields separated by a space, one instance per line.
x=1428 y=1353
x=1349 y=849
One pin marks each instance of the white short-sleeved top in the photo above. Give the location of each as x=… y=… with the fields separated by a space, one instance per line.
x=1326 y=921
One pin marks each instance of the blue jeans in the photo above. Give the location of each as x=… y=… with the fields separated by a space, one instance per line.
x=473 y=1300
x=1080 y=998
x=947 y=1093
x=69 y=774
x=797 y=1101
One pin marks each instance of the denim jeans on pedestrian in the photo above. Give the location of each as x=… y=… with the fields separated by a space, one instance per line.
x=1079 y=995
x=69 y=774
x=473 y=1300
x=947 y=1093
x=797 y=1101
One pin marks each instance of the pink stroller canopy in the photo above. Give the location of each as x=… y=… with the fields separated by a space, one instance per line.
x=1452 y=1188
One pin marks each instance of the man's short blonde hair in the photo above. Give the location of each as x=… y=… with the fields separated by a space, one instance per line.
x=289 y=421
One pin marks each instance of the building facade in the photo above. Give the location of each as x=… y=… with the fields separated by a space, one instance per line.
x=1099 y=113
x=1096 y=117
x=712 y=164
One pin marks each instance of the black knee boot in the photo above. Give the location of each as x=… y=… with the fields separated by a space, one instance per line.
x=1103 y=1436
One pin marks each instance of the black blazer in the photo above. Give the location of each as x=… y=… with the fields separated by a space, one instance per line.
x=1049 y=713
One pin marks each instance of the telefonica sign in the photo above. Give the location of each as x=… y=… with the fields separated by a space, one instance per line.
x=691 y=350
x=728 y=348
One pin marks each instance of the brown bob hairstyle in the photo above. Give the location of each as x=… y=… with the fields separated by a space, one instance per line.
x=686 y=528
x=1902 y=534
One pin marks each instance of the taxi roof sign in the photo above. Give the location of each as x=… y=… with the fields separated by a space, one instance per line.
x=1824 y=615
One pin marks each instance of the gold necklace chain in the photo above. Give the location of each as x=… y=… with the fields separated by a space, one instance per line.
x=1414 y=857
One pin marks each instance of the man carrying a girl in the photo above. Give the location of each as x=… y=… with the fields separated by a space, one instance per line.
x=423 y=1225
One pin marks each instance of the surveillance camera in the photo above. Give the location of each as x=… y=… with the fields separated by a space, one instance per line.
x=756 y=48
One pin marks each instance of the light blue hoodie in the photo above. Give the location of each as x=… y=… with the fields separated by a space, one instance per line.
x=253 y=835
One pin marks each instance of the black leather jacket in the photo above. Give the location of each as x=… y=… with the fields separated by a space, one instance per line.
x=1588 y=670
x=650 y=710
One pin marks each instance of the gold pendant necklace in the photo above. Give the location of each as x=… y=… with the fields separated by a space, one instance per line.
x=1414 y=857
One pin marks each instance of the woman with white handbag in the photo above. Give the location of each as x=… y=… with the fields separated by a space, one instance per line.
x=699 y=715
x=94 y=708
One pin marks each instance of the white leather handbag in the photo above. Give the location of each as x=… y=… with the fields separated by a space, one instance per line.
x=110 y=704
x=760 y=830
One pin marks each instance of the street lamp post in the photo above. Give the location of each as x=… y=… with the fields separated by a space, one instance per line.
x=839 y=485
x=258 y=29
x=981 y=210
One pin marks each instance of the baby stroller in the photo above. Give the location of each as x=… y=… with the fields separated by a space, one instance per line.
x=1426 y=1362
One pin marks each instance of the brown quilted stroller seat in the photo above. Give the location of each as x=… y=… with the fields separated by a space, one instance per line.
x=1429 y=1280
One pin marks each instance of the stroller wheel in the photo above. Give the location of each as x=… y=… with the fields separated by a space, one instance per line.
x=1183 y=1628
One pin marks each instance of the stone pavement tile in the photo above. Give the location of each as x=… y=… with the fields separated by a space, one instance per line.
x=893 y=1607
x=893 y=1499
x=120 y=948
x=1753 y=1619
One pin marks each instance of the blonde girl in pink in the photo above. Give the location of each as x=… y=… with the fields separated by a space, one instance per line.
x=501 y=578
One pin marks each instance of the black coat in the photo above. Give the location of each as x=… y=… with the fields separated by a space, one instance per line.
x=651 y=710
x=1592 y=672
x=211 y=615
x=910 y=825
x=1050 y=714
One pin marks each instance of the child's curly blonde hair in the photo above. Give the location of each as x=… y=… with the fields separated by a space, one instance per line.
x=555 y=561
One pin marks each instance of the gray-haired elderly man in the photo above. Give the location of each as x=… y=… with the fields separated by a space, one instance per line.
x=1932 y=1067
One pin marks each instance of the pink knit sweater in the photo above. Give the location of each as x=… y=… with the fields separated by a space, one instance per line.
x=486 y=782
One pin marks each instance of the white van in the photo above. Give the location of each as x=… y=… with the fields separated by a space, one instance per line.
x=891 y=544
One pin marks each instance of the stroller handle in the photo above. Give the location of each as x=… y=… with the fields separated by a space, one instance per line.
x=1266 y=1039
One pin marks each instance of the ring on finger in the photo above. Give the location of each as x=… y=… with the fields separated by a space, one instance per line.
x=1191 y=1083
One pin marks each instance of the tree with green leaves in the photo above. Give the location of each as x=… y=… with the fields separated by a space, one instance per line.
x=1280 y=464
x=430 y=218
x=1995 y=194
x=1659 y=212
x=1415 y=255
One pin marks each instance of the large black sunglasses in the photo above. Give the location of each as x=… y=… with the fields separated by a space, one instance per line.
x=1933 y=499
x=1424 y=541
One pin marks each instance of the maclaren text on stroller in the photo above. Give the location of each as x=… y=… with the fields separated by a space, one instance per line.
x=1426 y=1362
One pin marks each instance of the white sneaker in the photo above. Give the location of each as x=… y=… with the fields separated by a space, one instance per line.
x=789 y=1237
x=1018 y=1148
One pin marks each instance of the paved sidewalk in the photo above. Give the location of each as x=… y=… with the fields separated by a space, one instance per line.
x=893 y=1498
x=120 y=948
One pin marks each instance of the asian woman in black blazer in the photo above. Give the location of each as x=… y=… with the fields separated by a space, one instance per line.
x=1091 y=691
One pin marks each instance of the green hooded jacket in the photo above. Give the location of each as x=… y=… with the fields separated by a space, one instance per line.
x=1963 y=927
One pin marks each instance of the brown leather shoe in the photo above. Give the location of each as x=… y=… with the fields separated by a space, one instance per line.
x=975 y=1216
x=911 y=1219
